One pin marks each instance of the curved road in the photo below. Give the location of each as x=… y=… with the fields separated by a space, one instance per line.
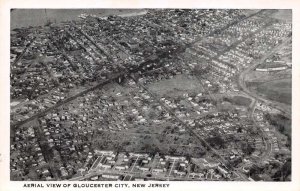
x=279 y=106
x=241 y=82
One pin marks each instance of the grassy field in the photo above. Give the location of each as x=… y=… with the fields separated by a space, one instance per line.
x=283 y=14
x=256 y=76
x=238 y=100
x=277 y=90
x=39 y=17
x=178 y=85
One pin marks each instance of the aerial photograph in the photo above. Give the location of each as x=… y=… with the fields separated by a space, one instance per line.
x=150 y=95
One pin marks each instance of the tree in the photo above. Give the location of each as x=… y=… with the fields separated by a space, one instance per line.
x=216 y=141
x=247 y=148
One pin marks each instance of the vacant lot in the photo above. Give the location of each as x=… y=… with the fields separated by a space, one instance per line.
x=173 y=144
x=277 y=90
x=178 y=85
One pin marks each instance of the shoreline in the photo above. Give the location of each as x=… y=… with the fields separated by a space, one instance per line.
x=24 y=18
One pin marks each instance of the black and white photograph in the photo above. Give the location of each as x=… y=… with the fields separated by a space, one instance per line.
x=150 y=94
x=157 y=95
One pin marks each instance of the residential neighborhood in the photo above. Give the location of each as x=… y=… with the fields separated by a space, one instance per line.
x=162 y=94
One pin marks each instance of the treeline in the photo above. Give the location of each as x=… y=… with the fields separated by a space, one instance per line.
x=282 y=124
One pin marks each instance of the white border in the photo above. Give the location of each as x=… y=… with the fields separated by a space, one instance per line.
x=5 y=5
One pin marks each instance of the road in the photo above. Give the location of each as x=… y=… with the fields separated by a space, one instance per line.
x=267 y=141
x=243 y=87
x=235 y=44
x=167 y=109
x=24 y=51
x=100 y=48
x=227 y=26
x=128 y=72
x=140 y=174
x=255 y=63
x=188 y=127
x=122 y=74
x=173 y=163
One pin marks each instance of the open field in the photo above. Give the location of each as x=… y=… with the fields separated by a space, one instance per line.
x=256 y=76
x=179 y=84
x=283 y=14
x=174 y=144
x=39 y=17
x=239 y=100
x=277 y=90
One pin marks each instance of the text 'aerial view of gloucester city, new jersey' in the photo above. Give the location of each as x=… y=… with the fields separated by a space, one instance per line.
x=150 y=94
